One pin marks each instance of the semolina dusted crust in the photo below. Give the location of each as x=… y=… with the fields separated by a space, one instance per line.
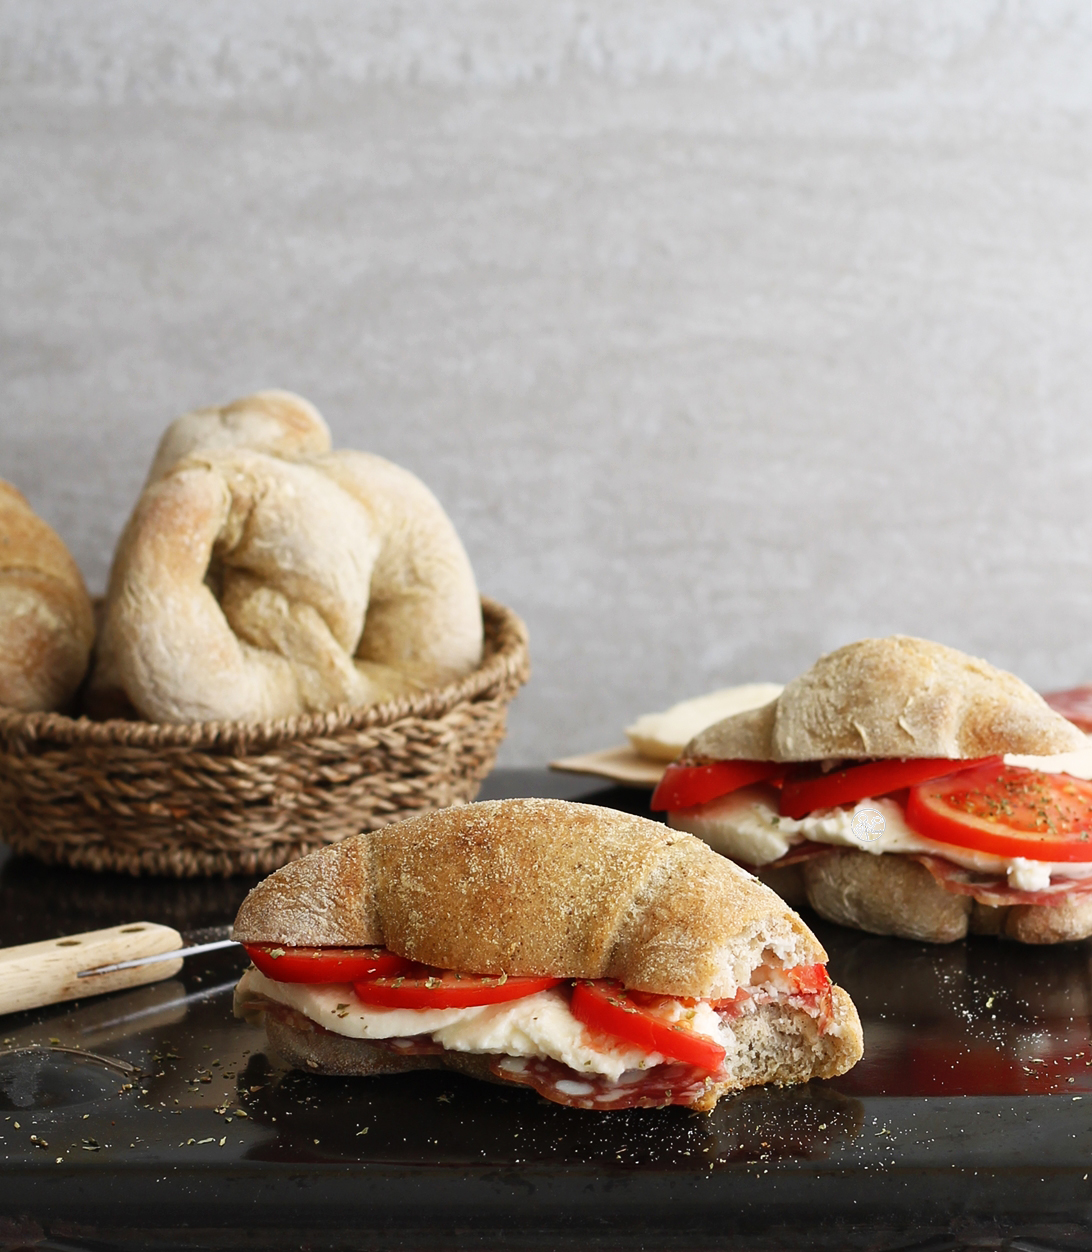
x=537 y=887
x=262 y=575
x=893 y=697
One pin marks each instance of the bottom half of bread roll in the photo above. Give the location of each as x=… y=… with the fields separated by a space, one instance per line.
x=896 y=894
x=771 y=1033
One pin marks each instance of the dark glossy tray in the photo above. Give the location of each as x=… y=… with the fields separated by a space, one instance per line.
x=966 y=1125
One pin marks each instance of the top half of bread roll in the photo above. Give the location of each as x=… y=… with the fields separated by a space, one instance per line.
x=893 y=697
x=537 y=887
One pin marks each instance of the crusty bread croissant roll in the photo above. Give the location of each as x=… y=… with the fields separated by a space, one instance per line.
x=46 y=620
x=248 y=585
x=546 y=889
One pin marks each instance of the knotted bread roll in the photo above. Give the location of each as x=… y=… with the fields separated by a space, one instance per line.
x=46 y=621
x=250 y=586
x=276 y=422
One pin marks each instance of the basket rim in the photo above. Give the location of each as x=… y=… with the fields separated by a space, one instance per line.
x=504 y=664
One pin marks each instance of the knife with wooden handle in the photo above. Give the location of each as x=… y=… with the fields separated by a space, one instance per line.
x=34 y=974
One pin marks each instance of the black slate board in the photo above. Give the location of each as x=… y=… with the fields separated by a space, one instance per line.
x=966 y=1125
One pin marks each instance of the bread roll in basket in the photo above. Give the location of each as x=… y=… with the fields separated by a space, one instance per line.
x=263 y=682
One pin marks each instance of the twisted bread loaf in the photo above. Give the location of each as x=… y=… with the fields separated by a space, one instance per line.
x=251 y=586
x=275 y=422
x=46 y=621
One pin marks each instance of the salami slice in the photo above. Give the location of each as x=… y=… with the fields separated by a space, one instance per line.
x=1075 y=705
x=655 y=1088
x=994 y=889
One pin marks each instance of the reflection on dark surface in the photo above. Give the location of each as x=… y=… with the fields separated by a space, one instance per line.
x=432 y=1117
x=983 y=1017
x=41 y=1078
x=39 y=901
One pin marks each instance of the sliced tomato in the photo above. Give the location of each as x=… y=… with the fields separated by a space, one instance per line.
x=319 y=965
x=1007 y=811
x=683 y=786
x=604 y=1005
x=806 y=788
x=423 y=987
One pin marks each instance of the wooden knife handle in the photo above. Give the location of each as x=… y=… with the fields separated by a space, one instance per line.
x=34 y=974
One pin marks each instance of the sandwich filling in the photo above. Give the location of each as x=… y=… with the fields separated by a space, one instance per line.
x=1017 y=829
x=589 y=1042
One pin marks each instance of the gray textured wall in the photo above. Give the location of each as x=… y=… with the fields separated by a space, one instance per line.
x=726 y=332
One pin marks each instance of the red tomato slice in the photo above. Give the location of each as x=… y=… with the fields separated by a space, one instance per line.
x=1007 y=811
x=606 y=1006
x=423 y=987
x=322 y=964
x=805 y=789
x=683 y=786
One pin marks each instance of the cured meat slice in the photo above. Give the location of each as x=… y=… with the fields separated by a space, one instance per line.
x=1075 y=705
x=674 y=1083
x=798 y=852
x=801 y=852
x=992 y=888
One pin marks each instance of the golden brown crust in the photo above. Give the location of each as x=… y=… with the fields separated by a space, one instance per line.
x=46 y=620
x=1058 y=923
x=326 y=899
x=894 y=697
x=537 y=887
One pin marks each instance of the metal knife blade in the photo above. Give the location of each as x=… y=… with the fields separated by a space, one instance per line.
x=207 y=939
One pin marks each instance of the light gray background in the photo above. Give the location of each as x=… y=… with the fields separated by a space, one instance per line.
x=726 y=332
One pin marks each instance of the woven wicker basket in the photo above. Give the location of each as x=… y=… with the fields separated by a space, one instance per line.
x=218 y=798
